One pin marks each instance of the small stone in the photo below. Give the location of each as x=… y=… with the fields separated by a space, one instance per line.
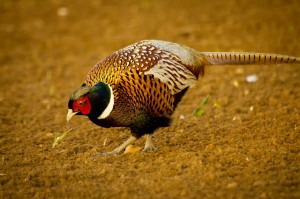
x=259 y=183
x=132 y=149
x=246 y=92
x=251 y=108
x=63 y=11
x=251 y=78
x=232 y=185
x=49 y=135
x=235 y=83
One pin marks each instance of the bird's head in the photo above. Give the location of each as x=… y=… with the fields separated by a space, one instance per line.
x=93 y=101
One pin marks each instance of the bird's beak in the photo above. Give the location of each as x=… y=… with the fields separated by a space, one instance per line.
x=70 y=114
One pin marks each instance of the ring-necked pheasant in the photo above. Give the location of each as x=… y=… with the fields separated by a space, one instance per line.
x=140 y=85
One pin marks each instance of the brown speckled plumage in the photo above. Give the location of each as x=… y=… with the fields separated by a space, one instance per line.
x=140 y=58
x=128 y=72
x=148 y=79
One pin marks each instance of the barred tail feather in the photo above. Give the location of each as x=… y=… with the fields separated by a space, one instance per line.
x=243 y=58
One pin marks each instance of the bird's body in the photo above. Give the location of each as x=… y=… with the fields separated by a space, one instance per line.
x=143 y=95
x=140 y=86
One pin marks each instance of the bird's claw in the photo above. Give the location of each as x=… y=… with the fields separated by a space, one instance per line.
x=106 y=154
x=150 y=148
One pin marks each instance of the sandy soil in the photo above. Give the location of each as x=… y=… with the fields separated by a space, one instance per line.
x=245 y=145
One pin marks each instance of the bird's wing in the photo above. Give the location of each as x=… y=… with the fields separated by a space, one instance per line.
x=175 y=65
x=243 y=58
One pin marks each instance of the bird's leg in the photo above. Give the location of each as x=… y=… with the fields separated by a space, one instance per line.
x=120 y=148
x=148 y=144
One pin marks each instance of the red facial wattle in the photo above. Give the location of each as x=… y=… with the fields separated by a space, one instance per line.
x=82 y=105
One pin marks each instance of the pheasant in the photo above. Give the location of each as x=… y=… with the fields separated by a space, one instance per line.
x=140 y=85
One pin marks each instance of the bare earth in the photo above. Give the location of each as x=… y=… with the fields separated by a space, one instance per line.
x=245 y=145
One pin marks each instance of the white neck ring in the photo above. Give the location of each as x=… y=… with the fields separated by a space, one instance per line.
x=109 y=107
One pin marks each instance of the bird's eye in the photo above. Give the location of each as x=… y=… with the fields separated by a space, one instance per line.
x=82 y=103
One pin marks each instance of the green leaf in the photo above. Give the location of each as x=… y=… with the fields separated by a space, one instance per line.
x=59 y=138
x=200 y=110
x=204 y=102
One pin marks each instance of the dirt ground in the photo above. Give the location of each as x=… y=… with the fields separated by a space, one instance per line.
x=245 y=145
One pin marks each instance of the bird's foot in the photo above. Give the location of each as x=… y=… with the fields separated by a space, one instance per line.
x=117 y=150
x=150 y=148
x=113 y=152
x=148 y=145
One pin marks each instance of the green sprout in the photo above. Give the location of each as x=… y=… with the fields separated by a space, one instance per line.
x=200 y=110
x=59 y=138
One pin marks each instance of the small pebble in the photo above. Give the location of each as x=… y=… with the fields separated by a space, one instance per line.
x=251 y=108
x=246 y=92
x=232 y=185
x=49 y=135
x=235 y=83
x=62 y=12
x=251 y=78
x=132 y=149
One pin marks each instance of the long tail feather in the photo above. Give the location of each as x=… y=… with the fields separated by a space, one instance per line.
x=240 y=58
